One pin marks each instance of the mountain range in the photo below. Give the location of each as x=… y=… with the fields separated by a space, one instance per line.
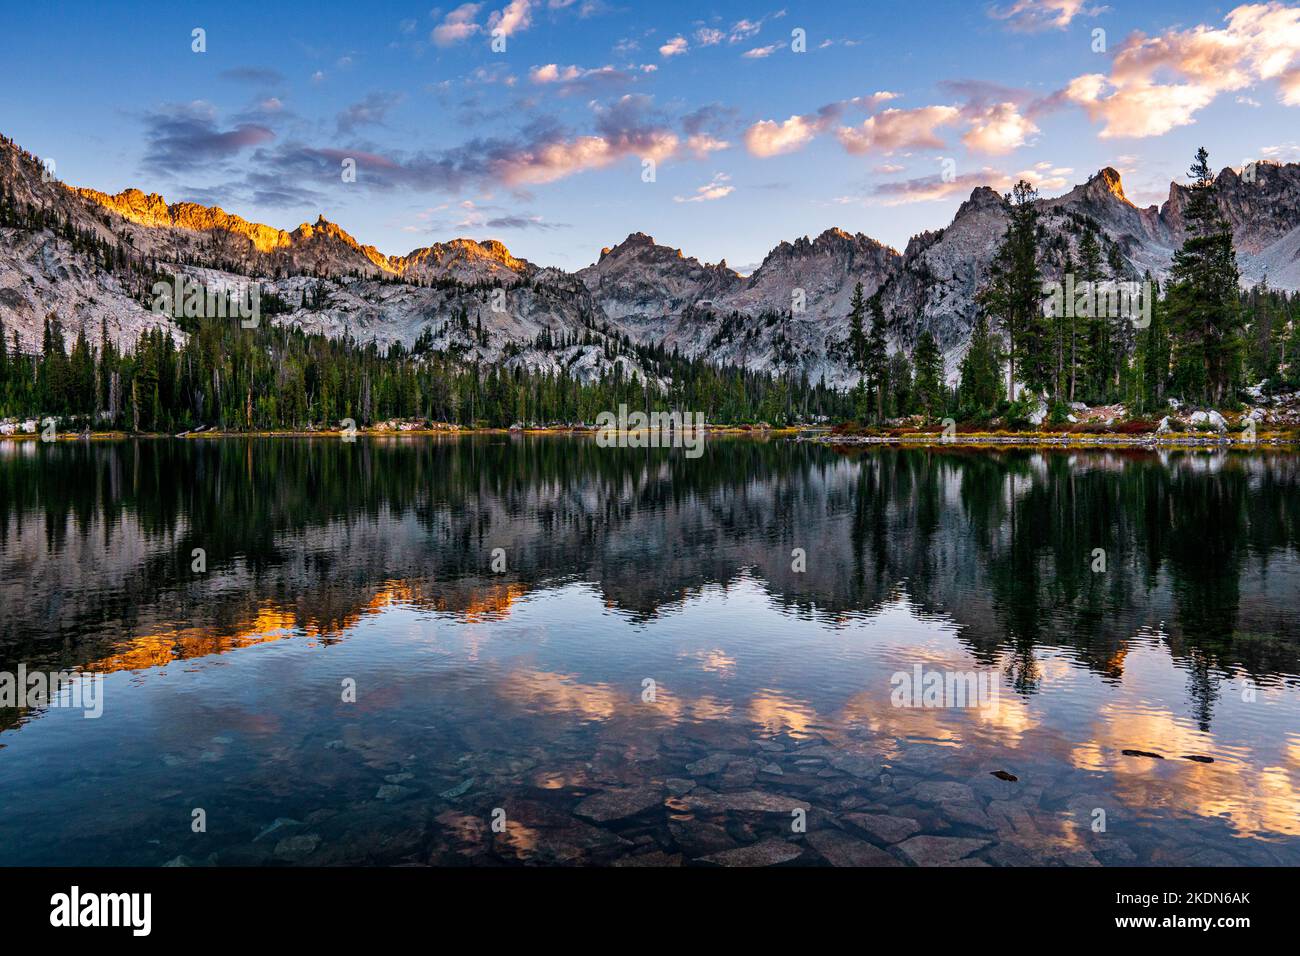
x=477 y=299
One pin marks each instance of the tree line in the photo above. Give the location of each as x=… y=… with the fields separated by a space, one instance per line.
x=1203 y=341
x=280 y=377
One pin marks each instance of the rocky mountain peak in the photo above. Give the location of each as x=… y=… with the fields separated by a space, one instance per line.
x=154 y=212
x=1106 y=183
x=652 y=293
x=632 y=245
x=981 y=198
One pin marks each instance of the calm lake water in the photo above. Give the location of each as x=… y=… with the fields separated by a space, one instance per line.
x=682 y=659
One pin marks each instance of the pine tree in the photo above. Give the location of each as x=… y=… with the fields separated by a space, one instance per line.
x=1204 y=306
x=1014 y=294
x=857 y=336
x=1263 y=356
x=981 y=372
x=4 y=362
x=1155 y=346
x=876 y=360
x=1095 y=352
x=927 y=382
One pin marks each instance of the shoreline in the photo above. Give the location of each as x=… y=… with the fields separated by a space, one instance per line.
x=811 y=435
x=386 y=433
x=987 y=440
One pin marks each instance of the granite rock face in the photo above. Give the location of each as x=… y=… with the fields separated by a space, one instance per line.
x=791 y=312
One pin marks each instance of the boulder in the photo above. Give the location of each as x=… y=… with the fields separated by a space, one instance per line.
x=1211 y=419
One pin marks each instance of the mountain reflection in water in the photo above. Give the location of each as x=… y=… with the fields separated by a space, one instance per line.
x=526 y=690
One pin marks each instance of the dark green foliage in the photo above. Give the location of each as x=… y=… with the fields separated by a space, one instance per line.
x=1204 y=300
x=927 y=384
x=275 y=377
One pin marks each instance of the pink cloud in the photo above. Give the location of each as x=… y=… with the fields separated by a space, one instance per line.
x=457 y=25
x=770 y=138
x=1033 y=15
x=998 y=129
x=1160 y=83
x=896 y=129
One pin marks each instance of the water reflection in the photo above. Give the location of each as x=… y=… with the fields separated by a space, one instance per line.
x=525 y=689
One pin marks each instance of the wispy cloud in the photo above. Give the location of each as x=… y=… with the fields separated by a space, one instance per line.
x=544 y=153
x=719 y=187
x=373 y=110
x=515 y=16
x=1031 y=16
x=895 y=129
x=256 y=75
x=674 y=47
x=571 y=80
x=1160 y=83
x=457 y=25
x=187 y=136
x=1044 y=176
x=992 y=126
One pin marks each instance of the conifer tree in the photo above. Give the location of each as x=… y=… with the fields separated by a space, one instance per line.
x=981 y=372
x=927 y=382
x=1204 y=307
x=1014 y=294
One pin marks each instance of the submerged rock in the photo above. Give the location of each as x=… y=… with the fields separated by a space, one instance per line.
x=281 y=823
x=943 y=791
x=696 y=837
x=840 y=849
x=751 y=801
x=1141 y=753
x=713 y=763
x=939 y=851
x=679 y=786
x=654 y=858
x=967 y=812
x=856 y=766
x=459 y=790
x=297 y=847
x=619 y=804
x=769 y=852
x=884 y=827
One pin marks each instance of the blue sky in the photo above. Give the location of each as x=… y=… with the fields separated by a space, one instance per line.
x=542 y=145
